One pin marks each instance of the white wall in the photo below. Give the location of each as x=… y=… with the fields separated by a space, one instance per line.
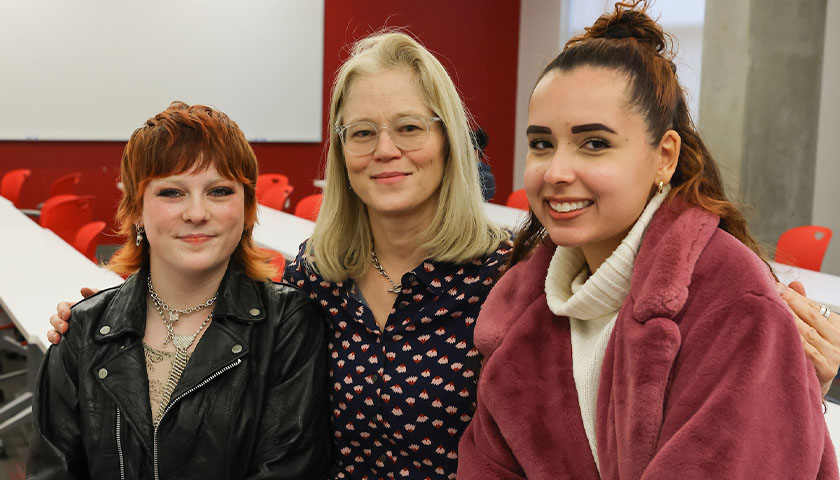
x=826 y=210
x=97 y=69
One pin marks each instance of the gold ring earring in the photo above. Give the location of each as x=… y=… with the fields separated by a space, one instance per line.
x=659 y=190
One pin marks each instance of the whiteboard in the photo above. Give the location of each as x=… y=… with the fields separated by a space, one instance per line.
x=97 y=69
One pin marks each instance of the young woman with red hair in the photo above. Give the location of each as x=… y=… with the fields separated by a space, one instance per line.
x=198 y=366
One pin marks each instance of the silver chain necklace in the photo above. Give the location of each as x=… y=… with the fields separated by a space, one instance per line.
x=395 y=288
x=174 y=313
x=181 y=342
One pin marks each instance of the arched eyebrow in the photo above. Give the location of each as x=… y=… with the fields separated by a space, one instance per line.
x=591 y=127
x=537 y=129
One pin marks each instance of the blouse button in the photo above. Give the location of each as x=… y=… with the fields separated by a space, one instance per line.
x=374 y=377
x=105 y=330
x=103 y=372
x=236 y=348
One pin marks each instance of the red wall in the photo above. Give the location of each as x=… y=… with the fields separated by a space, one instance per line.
x=476 y=40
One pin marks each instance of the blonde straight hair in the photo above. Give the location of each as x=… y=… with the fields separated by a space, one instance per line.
x=460 y=231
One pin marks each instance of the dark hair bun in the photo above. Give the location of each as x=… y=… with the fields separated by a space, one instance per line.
x=628 y=20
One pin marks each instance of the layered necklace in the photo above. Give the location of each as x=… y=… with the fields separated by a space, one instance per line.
x=180 y=342
x=395 y=287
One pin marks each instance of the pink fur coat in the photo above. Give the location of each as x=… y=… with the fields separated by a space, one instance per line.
x=704 y=375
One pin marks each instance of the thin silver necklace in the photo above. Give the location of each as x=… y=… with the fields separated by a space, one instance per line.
x=175 y=313
x=395 y=288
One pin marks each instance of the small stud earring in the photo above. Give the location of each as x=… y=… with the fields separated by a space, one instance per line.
x=659 y=190
x=139 y=238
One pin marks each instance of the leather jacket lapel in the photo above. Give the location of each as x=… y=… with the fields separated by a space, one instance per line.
x=118 y=374
x=218 y=348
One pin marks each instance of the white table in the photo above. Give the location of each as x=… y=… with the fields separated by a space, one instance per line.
x=506 y=217
x=832 y=420
x=281 y=231
x=37 y=270
x=821 y=287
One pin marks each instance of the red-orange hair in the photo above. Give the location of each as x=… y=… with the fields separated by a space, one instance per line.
x=179 y=139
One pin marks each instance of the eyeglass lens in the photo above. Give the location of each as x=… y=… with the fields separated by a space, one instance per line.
x=407 y=133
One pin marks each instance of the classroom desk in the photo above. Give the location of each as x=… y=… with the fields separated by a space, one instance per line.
x=281 y=231
x=504 y=216
x=37 y=270
x=820 y=287
x=832 y=420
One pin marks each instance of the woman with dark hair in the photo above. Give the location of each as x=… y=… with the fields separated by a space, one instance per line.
x=639 y=334
x=198 y=366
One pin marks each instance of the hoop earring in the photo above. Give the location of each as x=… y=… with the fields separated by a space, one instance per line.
x=139 y=238
x=659 y=190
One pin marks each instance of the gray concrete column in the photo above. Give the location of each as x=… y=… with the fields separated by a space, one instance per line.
x=759 y=104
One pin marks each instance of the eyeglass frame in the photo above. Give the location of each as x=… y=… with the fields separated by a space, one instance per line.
x=340 y=129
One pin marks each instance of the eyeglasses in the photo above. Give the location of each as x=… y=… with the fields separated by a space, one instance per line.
x=407 y=133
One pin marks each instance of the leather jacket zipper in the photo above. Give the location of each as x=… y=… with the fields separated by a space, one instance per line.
x=179 y=397
x=119 y=446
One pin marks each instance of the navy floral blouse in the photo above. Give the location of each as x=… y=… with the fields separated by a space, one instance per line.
x=402 y=397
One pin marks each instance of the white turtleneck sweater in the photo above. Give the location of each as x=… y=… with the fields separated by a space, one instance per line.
x=592 y=302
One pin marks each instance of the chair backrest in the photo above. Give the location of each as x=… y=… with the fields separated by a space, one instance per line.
x=87 y=237
x=277 y=197
x=267 y=181
x=309 y=206
x=65 y=185
x=518 y=199
x=66 y=214
x=278 y=260
x=12 y=184
x=803 y=247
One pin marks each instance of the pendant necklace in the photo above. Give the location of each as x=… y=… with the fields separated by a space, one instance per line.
x=395 y=287
x=181 y=342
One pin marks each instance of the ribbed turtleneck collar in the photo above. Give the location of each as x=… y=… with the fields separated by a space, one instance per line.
x=570 y=289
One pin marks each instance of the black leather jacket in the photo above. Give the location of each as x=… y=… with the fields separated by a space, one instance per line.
x=252 y=402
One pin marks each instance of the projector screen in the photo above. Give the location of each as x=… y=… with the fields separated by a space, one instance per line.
x=97 y=69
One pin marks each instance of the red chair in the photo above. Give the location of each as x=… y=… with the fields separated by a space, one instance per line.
x=65 y=185
x=86 y=239
x=309 y=206
x=278 y=260
x=518 y=199
x=267 y=181
x=67 y=214
x=12 y=184
x=803 y=247
x=277 y=197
